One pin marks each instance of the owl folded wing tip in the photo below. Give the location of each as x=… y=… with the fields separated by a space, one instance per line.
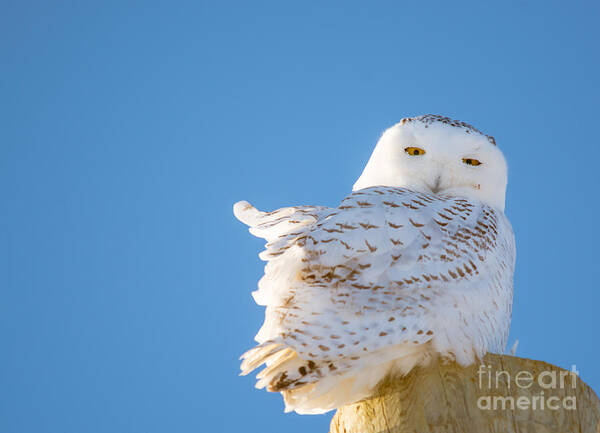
x=246 y=213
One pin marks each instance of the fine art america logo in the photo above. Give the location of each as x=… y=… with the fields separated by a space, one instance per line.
x=545 y=390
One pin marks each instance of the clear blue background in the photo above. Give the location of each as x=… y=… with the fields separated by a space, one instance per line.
x=128 y=129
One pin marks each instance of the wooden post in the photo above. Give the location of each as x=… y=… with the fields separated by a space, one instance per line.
x=504 y=394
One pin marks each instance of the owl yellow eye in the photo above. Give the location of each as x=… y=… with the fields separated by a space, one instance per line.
x=414 y=151
x=471 y=161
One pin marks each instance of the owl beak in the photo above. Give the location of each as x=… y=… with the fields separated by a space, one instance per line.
x=436 y=186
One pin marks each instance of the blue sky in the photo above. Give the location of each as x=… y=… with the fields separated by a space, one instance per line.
x=130 y=128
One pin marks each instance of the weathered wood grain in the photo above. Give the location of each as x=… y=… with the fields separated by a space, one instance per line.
x=445 y=397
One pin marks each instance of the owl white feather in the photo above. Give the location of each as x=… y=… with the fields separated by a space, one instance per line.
x=416 y=263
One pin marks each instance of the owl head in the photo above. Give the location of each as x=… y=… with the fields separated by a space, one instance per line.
x=435 y=154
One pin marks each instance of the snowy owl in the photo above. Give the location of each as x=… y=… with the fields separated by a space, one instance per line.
x=416 y=263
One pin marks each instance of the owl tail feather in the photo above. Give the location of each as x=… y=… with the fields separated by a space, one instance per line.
x=258 y=355
x=280 y=362
x=284 y=370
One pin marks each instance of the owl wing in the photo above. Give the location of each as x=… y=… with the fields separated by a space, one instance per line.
x=387 y=272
